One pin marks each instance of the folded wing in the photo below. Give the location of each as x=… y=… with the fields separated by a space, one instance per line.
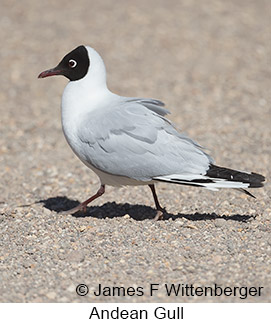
x=132 y=138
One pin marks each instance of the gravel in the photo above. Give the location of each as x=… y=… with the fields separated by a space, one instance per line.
x=210 y=62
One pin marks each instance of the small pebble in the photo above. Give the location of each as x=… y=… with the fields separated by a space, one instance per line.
x=75 y=256
x=47 y=211
x=51 y=295
x=220 y=223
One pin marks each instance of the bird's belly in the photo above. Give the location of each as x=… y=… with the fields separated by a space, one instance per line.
x=114 y=180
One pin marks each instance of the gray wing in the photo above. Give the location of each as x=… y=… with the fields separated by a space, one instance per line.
x=132 y=138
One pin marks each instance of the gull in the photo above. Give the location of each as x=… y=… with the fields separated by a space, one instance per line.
x=128 y=140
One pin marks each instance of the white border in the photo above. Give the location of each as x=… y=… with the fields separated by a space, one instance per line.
x=77 y=313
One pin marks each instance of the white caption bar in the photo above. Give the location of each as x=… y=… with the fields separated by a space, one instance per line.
x=131 y=312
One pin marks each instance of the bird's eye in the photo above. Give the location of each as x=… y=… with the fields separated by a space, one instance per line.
x=72 y=63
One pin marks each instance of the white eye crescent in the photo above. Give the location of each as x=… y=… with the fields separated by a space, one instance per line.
x=72 y=63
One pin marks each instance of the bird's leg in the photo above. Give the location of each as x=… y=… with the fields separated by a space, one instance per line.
x=160 y=210
x=83 y=206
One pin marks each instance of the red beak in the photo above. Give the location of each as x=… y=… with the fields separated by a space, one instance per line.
x=50 y=72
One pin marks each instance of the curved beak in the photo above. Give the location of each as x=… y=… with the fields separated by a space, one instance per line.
x=50 y=72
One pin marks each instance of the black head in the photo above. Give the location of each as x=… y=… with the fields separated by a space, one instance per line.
x=74 y=65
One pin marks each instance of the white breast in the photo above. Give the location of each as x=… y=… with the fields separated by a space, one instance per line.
x=76 y=104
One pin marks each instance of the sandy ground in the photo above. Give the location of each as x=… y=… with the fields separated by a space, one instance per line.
x=210 y=62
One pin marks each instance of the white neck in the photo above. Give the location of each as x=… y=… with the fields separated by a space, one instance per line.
x=85 y=95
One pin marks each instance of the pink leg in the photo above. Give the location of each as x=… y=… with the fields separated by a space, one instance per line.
x=83 y=206
x=160 y=210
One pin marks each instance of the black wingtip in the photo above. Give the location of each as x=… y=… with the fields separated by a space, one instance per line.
x=253 y=179
x=248 y=193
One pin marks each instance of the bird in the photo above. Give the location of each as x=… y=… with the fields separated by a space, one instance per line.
x=129 y=140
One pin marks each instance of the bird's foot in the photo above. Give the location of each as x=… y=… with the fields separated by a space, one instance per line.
x=82 y=207
x=159 y=214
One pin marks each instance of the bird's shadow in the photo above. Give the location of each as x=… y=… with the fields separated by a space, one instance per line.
x=135 y=211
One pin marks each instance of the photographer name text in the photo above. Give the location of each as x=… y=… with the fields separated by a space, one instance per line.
x=181 y=290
